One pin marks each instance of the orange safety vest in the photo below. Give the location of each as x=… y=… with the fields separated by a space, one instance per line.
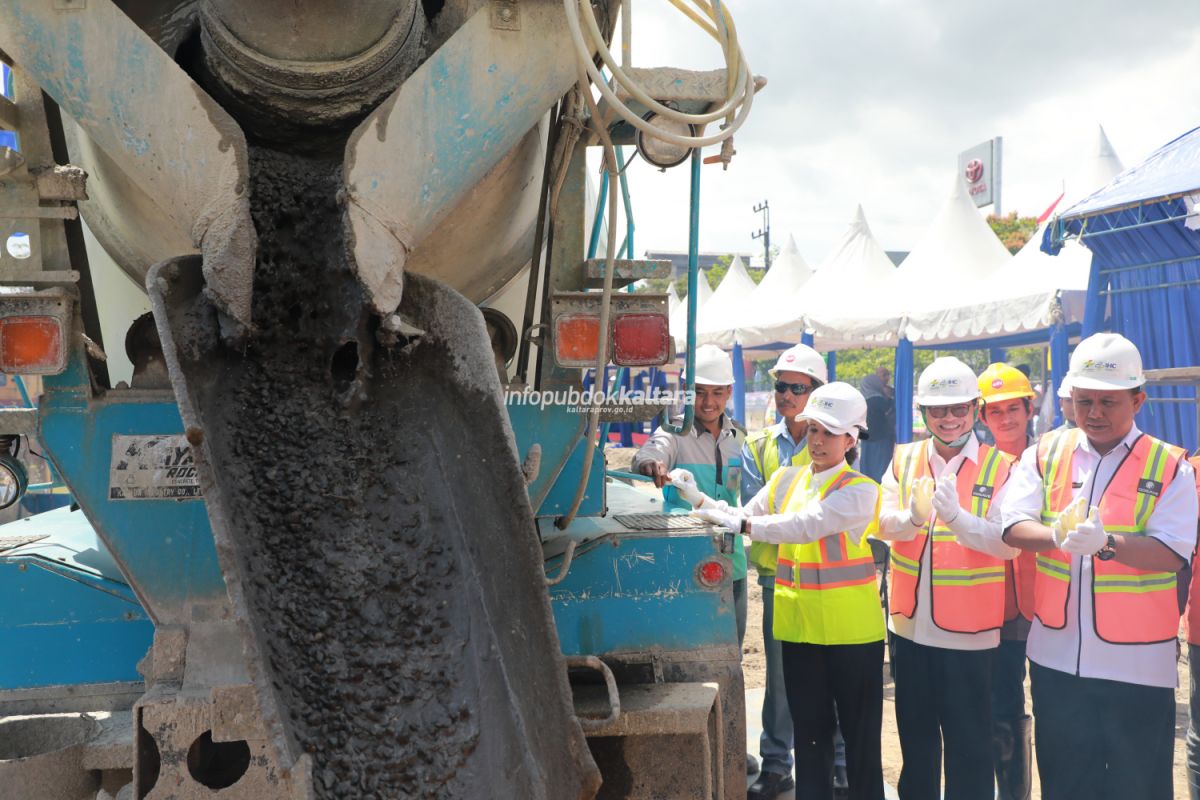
x=1129 y=605
x=1191 y=620
x=967 y=587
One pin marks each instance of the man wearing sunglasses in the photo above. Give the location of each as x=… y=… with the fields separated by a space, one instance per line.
x=947 y=588
x=797 y=372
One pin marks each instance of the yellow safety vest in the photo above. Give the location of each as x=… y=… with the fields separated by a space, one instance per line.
x=825 y=591
x=764 y=449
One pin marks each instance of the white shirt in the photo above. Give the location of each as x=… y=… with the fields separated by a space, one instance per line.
x=849 y=509
x=1076 y=649
x=979 y=534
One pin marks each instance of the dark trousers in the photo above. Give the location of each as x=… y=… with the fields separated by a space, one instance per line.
x=850 y=675
x=944 y=695
x=1193 y=734
x=1008 y=681
x=1102 y=739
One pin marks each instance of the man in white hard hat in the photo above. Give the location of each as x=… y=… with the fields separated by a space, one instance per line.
x=1064 y=402
x=947 y=588
x=797 y=372
x=1111 y=513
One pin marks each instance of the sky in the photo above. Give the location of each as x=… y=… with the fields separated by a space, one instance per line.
x=870 y=101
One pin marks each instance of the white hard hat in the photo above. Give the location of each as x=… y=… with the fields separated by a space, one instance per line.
x=946 y=382
x=839 y=407
x=802 y=359
x=1064 y=388
x=714 y=367
x=1108 y=362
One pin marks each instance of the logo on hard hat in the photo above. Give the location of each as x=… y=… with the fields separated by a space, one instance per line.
x=1091 y=363
x=789 y=358
x=997 y=384
x=974 y=170
x=938 y=383
x=821 y=402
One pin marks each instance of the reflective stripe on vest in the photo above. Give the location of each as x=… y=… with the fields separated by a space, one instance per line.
x=1129 y=606
x=825 y=591
x=764 y=449
x=966 y=586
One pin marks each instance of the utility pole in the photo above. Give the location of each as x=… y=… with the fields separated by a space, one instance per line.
x=764 y=232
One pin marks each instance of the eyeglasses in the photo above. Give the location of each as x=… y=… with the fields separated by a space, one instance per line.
x=937 y=412
x=794 y=388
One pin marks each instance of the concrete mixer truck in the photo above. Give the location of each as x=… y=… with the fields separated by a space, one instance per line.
x=312 y=550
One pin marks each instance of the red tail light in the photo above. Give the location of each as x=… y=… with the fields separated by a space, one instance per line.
x=641 y=340
x=711 y=573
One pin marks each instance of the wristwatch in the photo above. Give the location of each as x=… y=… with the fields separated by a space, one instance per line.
x=1109 y=551
x=745 y=526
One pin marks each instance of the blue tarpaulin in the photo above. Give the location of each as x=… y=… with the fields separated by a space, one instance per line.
x=1145 y=281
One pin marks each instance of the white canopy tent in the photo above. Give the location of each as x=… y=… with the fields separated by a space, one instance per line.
x=959 y=284
x=735 y=288
x=856 y=263
x=672 y=299
x=773 y=306
x=679 y=317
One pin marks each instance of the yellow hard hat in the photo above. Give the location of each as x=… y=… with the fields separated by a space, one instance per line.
x=1003 y=382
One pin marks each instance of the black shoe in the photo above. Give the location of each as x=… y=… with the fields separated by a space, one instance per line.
x=769 y=786
x=752 y=765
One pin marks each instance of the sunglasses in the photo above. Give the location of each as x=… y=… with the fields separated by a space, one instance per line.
x=937 y=412
x=794 y=388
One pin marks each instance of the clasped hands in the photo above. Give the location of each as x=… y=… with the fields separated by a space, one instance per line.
x=1078 y=530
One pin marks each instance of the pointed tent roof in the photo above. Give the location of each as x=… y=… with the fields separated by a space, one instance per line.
x=774 y=301
x=719 y=313
x=678 y=319
x=856 y=263
x=856 y=260
x=1035 y=290
x=672 y=299
x=951 y=263
x=1033 y=271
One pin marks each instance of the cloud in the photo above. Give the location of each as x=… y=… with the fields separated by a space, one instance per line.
x=871 y=100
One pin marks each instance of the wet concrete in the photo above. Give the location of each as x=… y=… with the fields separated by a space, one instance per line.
x=371 y=521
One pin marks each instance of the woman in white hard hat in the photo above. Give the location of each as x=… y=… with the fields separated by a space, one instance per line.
x=827 y=612
x=798 y=371
x=946 y=596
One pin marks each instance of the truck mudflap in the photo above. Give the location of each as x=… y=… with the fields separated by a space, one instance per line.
x=371 y=520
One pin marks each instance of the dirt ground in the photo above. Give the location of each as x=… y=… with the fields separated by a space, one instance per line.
x=754 y=674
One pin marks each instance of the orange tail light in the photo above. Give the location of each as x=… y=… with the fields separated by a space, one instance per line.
x=31 y=345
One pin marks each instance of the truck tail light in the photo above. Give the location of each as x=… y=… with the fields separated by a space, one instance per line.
x=711 y=572
x=641 y=340
x=638 y=332
x=577 y=340
x=31 y=344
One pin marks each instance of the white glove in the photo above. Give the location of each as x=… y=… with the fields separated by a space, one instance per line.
x=685 y=483
x=1088 y=538
x=920 y=502
x=1069 y=519
x=723 y=516
x=945 y=500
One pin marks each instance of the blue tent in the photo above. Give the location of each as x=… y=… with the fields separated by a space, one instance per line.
x=1144 y=232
